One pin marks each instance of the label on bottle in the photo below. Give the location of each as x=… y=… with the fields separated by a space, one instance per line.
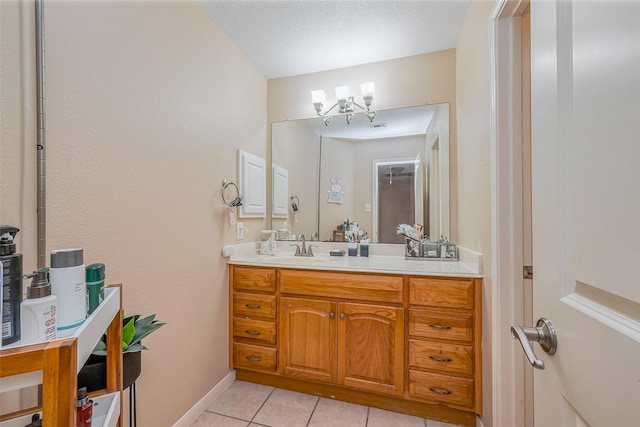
x=49 y=321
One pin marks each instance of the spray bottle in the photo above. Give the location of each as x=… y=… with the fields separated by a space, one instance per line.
x=11 y=284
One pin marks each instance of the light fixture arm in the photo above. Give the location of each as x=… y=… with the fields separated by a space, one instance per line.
x=319 y=106
x=346 y=104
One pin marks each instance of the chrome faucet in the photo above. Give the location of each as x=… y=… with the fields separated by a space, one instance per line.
x=314 y=236
x=303 y=251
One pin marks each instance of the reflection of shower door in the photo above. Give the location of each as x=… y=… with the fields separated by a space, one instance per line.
x=396 y=201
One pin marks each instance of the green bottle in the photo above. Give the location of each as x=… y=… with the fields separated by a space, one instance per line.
x=95 y=286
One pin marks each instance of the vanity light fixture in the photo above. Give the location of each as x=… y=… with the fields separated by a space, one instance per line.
x=346 y=105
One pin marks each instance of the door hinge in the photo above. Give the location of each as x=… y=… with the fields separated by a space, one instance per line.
x=527 y=272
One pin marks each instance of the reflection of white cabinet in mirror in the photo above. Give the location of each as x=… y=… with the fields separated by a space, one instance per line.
x=253 y=186
x=280 y=192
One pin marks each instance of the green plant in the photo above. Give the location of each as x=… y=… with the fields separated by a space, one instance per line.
x=133 y=330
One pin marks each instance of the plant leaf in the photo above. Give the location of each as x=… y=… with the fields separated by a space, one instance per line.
x=100 y=349
x=145 y=321
x=144 y=330
x=135 y=347
x=128 y=332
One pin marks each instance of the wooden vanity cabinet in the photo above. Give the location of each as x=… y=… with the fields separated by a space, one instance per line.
x=444 y=342
x=398 y=342
x=352 y=344
x=342 y=328
x=252 y=320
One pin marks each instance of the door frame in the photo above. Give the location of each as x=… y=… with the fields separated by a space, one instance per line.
x=417 y=189
x=510 y=406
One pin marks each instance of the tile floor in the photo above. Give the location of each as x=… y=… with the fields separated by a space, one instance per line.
x=252 y=405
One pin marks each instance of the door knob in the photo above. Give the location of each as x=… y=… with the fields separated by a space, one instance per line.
x=544 y=334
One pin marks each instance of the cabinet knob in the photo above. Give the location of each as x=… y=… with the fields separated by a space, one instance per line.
x=342 y=315
x=332 y=315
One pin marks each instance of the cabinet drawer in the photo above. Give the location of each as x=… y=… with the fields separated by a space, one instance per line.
x=444 y=358
x=441 y=324
x=448 y=293
x=254 y=357
x=372 y=287
x=254 y=305
x=441 y=389
x=255 y=330
x=254 y=278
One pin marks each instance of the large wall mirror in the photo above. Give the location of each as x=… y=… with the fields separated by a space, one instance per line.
x=394 y=170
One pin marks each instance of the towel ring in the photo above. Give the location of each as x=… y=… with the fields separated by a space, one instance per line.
x=237 y=200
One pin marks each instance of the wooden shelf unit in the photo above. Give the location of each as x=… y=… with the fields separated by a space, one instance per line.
x=59 y=362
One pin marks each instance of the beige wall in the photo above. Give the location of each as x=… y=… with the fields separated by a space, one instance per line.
x=147 y=104
x=474 y=180
x=410 y=81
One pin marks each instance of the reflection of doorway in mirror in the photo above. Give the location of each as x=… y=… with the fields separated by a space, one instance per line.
x=397 y=199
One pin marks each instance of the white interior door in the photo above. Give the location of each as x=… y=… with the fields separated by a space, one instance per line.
x=586 y=210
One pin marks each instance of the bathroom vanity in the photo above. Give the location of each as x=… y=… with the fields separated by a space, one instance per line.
x=390 y=333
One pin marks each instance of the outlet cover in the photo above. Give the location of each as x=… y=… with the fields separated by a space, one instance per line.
x=367 y=207
x=239 y=231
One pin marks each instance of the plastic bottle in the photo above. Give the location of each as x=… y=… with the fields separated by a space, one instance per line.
x=67 y=278
x=38 y=311
x=84 y=408
x=11 y=284
x=95 y=286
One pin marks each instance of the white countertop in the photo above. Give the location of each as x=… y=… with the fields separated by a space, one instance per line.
x=468 y=266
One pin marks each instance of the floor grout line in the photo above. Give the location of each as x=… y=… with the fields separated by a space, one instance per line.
x=261 y=406
x=313 y=410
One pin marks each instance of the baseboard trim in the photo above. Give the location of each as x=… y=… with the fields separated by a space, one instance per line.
x=192 y=414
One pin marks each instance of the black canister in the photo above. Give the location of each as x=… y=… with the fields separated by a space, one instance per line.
x=11 y=284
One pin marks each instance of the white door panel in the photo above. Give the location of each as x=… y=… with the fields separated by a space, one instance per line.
x=585 y=90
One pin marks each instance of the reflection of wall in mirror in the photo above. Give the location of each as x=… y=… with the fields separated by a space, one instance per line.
x=438 y=211
x=338 y=160
x=299 y=142
x=352 y=161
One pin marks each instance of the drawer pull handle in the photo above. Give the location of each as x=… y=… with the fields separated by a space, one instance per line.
x=252 y=306
x=440 y=359
x=431 y=325
x=248 y=332
x=253 y=358
x=439 y=391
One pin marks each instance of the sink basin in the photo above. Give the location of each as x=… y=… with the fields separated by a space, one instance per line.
x=297 y=260
x=285 y=259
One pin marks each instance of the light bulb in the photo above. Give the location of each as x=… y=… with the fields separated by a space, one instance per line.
x=342 y=92
x=368 y=89
x=318 y=96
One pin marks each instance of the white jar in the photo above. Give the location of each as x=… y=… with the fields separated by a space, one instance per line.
x=38 y=311
x=67 y=278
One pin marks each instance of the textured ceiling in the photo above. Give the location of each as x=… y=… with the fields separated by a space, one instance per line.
x=285 y=38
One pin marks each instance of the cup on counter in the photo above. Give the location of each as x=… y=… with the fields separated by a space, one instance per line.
x=352 y=249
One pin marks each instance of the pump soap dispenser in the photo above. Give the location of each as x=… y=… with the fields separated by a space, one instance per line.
x=11 y=284
x=38 y=311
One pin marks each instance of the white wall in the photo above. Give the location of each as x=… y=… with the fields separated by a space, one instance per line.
x=474 y=184
x=147 y=104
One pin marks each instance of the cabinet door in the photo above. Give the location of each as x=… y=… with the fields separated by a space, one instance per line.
x=308 y=339
x=370 y=347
